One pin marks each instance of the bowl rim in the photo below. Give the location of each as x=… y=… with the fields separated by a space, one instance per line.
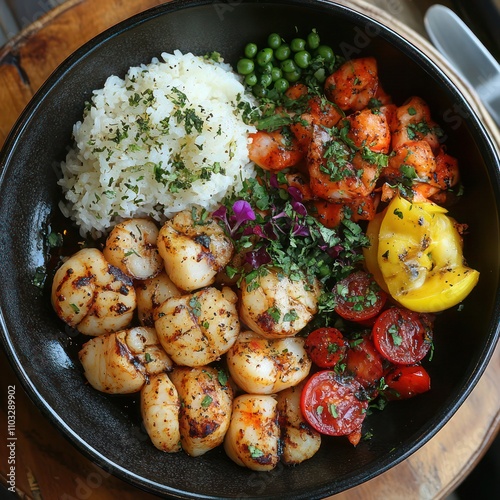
x=389 y=34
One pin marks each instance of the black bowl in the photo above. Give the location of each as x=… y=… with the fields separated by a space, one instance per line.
x=43 y=353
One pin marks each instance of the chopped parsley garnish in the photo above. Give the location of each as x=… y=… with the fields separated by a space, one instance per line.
x=337 y=164
x=398 y=213
x=179 y=98
x=222 y=377
x=255 y=452
x=54 y=240
x=75 y=308
x=381 y=160
x=290 y=316
x=207 y=401
x=134 y=100
x=40 y=276
x=332 y=409
x=394 y=332
x=121 y=134
x=274 y=313
x=195 y=306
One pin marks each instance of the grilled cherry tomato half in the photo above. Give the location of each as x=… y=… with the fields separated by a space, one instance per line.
x=405 y=382
x=364 y=362
x=358 y=297
x=331 y=406
x=401 y=336
x=326 y=347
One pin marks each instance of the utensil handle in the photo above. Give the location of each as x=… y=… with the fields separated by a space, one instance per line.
x=483 y=16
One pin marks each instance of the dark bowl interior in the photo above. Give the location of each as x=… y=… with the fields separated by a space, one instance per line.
x=43 y=353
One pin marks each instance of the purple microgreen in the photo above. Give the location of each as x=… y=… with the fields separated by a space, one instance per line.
x=299 y=208
x=242 y=213
x=269 y=231
x=295 y=193
x=257 y=258
x=279 y=215
x=258 y=231
x=221 y=214
x=300 y=230
x=248 y=231
x=273 y=181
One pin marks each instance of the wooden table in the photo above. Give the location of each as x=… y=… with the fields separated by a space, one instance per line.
x=47 y=466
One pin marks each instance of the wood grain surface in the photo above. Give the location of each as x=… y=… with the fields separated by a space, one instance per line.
x=47 y=466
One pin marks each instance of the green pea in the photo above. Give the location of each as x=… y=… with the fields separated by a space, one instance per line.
x=293 y=76
x=313 y=40
x=276 y=73
x=282 y=52
x=281 y=85
x=264 y=56
x=302 y=59
x=288 y=66
x=266 y=80
x=274 y=41
x=250 y=50
x=266 y=68
x=297 y=44
x=259 y=91
x=251 y=79
x=326 y=53
x=245 y=66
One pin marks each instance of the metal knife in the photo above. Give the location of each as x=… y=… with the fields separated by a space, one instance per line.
x=470 y=58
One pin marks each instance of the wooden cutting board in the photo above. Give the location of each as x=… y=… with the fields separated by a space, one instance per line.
x=47 y=466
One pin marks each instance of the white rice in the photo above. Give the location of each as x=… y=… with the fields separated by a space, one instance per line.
x=166 y=137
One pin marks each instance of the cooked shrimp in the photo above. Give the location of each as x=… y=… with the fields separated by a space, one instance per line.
x=122 y=362
x=193 y=251
x=252 y=439
x=274 y=150
x=267 y=366
x=151 y=293
x=278 y=306
x=430 y=176
x=160 y=406
x=352 y=85
x=369 y=129
x=197 y=329
x=206 y=406
x=412 y=122
x=333 y=175
x=389 y=111
x=447 y=173
x=319 y=112
x=382 y=96
x=297 y=91
x=331 y=214
x=298 y=182
x=299 y=440
x=441 y=181
x=91 y=295
x=131 y=247
x=413 y=161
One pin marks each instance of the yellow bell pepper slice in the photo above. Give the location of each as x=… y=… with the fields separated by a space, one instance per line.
x=371 y=253
x=420 y=258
